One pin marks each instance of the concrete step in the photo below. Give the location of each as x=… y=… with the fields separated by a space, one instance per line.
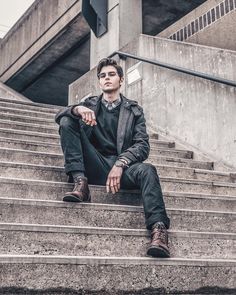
x=24 y=156
x=27 y=119
x=28 y=135
x=30 y=145
x=198 y=186
x=42 y=146
x=115 y=275
x=180 y=162
x=22 y=111
x=156 y=151
x=40 y=107
x=56 y=173
x=45 y=158
x=15 y=125
x=86 y=241
x=155 y=142
x=29 y=189
x=108 y=215
x=10 y=170
x=198 y=174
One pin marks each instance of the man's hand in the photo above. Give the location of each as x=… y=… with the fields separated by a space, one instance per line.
x=113 y=179
x=88 y=116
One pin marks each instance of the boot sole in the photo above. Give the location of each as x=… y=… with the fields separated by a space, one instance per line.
x=158 y=252
x=72 y=198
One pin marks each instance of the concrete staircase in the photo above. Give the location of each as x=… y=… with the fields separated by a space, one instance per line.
x=51 y=247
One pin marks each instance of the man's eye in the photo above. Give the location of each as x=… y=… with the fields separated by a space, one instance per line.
x=112 y=74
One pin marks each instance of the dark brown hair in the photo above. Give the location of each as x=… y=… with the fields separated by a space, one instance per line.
x=109 y=62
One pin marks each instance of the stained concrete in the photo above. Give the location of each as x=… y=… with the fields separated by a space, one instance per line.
x=220 y=33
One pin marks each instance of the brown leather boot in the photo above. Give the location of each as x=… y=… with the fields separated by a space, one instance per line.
x=80 y=192
x=159 y=241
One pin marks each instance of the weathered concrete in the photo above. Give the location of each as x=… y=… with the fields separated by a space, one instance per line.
x=103 y=275
x=219 y=33
x=9 y=93
x=124 y=24
x=55 y=191
x=159 y=14
x=88 y=241
x=109 y=215
x=47 y=31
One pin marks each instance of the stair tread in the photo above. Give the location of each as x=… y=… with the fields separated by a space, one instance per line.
x=172 y=159
x=59 y=168
x=100 y=206
x=107 y=230
x=33 y=259
x=19 y=102
x=65 y=184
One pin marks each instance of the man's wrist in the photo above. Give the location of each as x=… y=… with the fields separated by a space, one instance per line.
x=121 y=163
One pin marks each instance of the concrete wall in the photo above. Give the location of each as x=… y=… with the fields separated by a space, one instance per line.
x=124 y=24
x=198 y=114
x=211 y=24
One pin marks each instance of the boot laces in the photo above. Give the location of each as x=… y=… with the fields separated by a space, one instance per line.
x=159 y=233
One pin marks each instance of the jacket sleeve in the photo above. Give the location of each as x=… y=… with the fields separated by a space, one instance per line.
x=139 y=150
x=67 y=111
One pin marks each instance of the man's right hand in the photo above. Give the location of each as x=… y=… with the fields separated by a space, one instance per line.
x=88 y=116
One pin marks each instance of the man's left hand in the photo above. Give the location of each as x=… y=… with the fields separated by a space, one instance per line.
x=113 y=179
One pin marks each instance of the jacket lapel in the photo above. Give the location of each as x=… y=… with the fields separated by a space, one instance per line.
x=122 y=123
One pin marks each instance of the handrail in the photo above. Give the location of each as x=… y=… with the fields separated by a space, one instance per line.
x=176 y=68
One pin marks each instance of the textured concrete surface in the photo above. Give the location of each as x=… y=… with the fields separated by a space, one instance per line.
x=109 y=275
x=223 y=28
x=32 y=51
x=51 y=240
x=106 y=215
x=197 y=113
x=9 y=93
x=121 y=30
x=54 y=191
x=55 y=172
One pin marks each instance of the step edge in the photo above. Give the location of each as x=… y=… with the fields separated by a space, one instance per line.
x=99 y=206
x=109 y=231
x=101 y=260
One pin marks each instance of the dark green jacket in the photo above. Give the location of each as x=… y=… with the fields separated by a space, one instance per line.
x=132 y=137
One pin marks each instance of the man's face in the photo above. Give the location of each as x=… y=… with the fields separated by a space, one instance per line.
x=109 y=80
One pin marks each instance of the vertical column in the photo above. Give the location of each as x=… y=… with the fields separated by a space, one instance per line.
x=124 y=24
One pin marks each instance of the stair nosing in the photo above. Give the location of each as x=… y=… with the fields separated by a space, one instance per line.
x=98 y=206
x=28 y=132
x=104 y=260
x=108 y=230
x=163 y=179
x=29 y=103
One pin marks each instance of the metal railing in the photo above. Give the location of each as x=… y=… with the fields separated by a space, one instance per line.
x=176 y=68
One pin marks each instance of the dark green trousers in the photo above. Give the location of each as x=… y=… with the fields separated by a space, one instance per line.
x=81 y=155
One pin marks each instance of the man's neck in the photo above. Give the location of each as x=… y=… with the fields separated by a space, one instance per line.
x=111 y=96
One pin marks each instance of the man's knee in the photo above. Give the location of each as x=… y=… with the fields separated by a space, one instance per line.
x=67 y=122
x=148 y=169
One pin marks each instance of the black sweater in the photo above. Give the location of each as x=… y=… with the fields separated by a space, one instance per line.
x=104 y=134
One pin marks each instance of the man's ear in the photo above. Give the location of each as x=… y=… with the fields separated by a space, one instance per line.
x=121 y=80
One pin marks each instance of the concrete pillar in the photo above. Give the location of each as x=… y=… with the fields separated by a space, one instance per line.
x=124 y=24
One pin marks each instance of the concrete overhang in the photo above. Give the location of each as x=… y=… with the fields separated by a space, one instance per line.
x=67 y=34
x=160 y=14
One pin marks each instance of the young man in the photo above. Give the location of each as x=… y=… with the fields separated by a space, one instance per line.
x=104 y=141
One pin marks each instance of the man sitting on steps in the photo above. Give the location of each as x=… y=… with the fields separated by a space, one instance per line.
x=104 y=141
